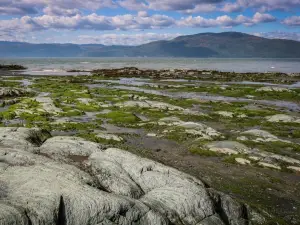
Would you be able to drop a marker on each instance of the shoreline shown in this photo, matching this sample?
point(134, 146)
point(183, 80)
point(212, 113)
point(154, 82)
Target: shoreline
point(194, 125)
point(193, 74)
point(230, 65)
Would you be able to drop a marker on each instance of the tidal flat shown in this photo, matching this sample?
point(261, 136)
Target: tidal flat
point(239, 133)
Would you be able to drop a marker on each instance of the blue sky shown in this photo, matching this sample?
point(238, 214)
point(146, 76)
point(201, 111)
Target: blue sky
point(133, 22)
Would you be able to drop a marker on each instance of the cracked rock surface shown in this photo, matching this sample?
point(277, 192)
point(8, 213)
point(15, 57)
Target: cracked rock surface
point(42, 182)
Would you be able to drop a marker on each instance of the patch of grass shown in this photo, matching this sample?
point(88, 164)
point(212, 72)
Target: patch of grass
point(26, 104)
point(204, 152)
point(71, 113)
point(9, 84)
point(66, 91)
point(7, 115)
point(120, 117)
point(178, 134)
point(88, 107)
point(241, 91)
point(14, 78)
point(72, 126)
point(231, 158)
point(277, 147)
point(30, 118)
point(286, 130)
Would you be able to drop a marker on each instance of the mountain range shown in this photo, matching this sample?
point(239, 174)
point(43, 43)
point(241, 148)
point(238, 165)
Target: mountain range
point(219, 45)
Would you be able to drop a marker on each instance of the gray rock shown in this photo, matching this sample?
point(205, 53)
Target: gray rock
point(69, 149)
point(263, 136)
point(112, 137)
point(149, 104)
point(225, 114)
point(22, 137)
point(13, 92)
point(85, 101)
point(111, 186)
point(283, 118)
point(231, 211)
point(197, 129)
point(8, 102)
point(46, 192)
point(48, 105)
point(227, 147)
point(275, 89)
point(243, 161)
point(212, 220)
point(269, 165)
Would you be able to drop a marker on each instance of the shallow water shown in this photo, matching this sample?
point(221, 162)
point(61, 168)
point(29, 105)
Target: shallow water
point(142, 82)
point(120, 130)
point(59, 66)
point(192, 95)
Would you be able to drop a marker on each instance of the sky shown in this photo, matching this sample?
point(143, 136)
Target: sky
point(134, 22)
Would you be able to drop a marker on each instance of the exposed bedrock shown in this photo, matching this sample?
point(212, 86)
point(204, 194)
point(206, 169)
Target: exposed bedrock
point(70, 181)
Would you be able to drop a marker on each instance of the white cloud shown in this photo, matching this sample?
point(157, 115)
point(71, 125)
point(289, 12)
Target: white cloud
point(263, 18)
point(232, 7)
point(292, 21)
point(57, 11)
point(89, 22)
point(135, 5)
point(201, 8)
point(26, 7)
point(225, 21)
point(140, 21)
point(71, 7)
point(261, 5)
point(124, 39)
point(280, 35)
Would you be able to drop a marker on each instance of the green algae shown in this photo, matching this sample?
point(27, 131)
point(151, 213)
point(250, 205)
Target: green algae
point(120, 117)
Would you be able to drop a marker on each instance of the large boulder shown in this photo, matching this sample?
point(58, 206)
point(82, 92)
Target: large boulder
point(42, 191)
point(178, 196)
point(68, 149)
point(110, 186)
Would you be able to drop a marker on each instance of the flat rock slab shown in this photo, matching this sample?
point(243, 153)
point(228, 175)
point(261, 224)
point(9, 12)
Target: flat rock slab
point(283, 118)
point(262, 136)
point(275, 89)
point(150, 104)
point(48, 105)
point(227, 147)
point(111, 137)
point(194, 128)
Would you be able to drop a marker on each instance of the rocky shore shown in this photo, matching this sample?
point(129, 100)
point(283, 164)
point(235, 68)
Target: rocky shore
point(196, 75)
point(132, 146)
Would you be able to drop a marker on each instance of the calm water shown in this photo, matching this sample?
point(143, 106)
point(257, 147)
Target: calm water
point(40, 66)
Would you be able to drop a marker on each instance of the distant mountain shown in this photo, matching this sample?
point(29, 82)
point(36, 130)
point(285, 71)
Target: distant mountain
point(21, 49)
point(223, 45)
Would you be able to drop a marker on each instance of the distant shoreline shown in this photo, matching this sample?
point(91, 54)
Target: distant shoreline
point(239, 65)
